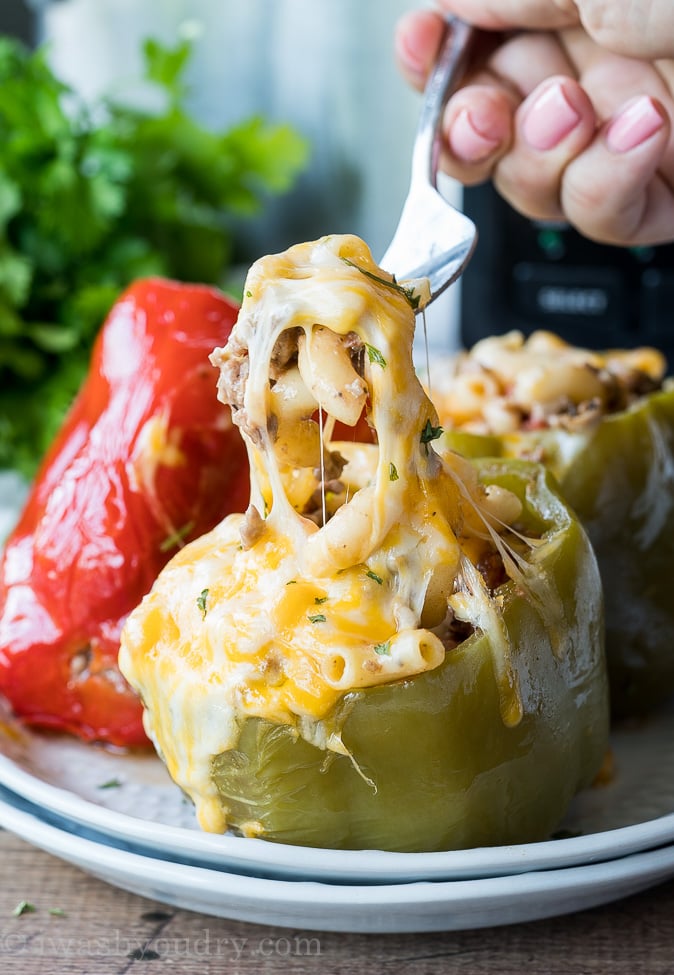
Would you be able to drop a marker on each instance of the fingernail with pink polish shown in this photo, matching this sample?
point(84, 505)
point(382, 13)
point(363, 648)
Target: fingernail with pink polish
point(636, 123)
point(467, 142)
point(549, 118)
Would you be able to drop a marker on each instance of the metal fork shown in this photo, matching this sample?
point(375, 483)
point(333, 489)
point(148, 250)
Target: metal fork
point(433, 239)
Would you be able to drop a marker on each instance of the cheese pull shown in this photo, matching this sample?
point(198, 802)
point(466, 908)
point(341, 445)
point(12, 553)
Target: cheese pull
point(419, 632)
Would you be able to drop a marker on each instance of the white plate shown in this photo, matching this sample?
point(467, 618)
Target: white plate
point(65, 777)
point(113, 834)
point(414, 907)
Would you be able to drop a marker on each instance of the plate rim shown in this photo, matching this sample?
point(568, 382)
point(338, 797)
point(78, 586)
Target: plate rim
point(354, 866)
point(375, 909)
point(349, 866)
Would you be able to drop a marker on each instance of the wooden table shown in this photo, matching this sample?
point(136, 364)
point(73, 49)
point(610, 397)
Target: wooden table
point(82, 926)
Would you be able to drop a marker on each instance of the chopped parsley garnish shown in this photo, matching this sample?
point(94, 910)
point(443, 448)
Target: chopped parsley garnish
point(407, 293)
point(291, 582)
point(373, 575)
point(249, 294)
point(24, 907)
point(176, 538)
point(110, 784)
point(318, 618)
point(201, 602)
point(392, 472)
point(374, 355)
point(383, 649)
point(430, 432)
point(57, 912)
point(320, 599)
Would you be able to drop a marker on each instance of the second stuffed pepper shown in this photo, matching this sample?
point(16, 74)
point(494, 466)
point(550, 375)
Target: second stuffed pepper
point(603, 423)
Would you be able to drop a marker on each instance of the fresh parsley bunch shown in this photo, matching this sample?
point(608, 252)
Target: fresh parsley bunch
point(92, 197)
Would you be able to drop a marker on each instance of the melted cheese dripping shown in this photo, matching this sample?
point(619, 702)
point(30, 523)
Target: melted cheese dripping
point(271, 615)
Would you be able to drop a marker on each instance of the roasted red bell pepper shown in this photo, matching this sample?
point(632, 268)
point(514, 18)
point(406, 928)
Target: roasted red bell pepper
point(146, 460)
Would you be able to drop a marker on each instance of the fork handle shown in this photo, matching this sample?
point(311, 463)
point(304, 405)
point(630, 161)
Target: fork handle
point(443, 80)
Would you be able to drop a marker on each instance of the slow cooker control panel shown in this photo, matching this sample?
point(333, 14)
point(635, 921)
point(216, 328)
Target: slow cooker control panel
point(527, 275)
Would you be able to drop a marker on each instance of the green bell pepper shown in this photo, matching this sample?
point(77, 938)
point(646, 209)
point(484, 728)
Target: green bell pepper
point(619, 478)
point(431, 764)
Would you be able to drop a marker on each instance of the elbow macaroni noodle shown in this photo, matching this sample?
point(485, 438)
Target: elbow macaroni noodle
point(508, 382)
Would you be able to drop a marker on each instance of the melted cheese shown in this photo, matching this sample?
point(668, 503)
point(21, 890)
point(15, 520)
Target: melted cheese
point(507, 381)
point(334, 579)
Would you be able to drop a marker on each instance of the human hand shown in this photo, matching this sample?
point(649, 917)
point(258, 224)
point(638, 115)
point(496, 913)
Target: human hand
point(567, 108)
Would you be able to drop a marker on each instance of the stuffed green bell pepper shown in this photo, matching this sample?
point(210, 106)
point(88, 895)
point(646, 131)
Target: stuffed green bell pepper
point(391, 648)
point(603, 423)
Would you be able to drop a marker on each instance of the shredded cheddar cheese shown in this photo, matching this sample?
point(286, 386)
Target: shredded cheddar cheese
point(352, 562)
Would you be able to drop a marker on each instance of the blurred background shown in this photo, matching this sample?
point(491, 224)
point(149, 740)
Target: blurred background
point(326, 67)
point(151, 163)
point(16, 19)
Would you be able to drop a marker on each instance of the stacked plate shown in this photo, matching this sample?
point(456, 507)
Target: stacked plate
point(120, 818)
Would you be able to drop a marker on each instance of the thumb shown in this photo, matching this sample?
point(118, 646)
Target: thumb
point(644, 29)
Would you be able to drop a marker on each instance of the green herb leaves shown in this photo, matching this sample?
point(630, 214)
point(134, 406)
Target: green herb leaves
point(93, 197)
point(166, 66)
point(24, 907)
point(201, 603)
point(176, 538)
point(430, 432)
point(408, 293)
point(374, 355)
